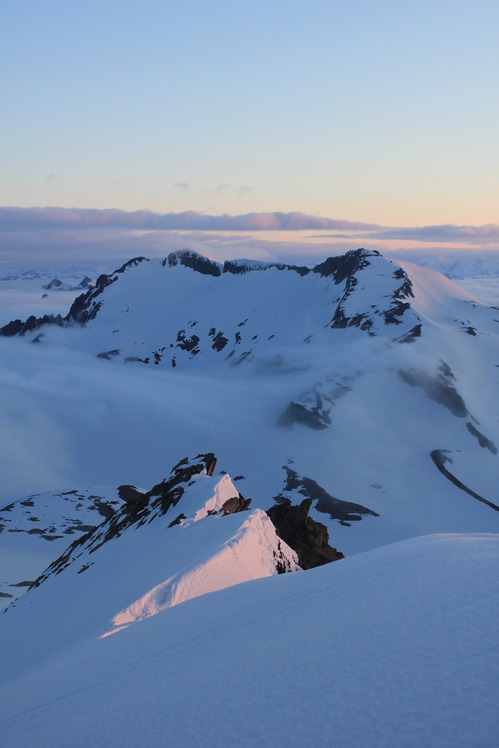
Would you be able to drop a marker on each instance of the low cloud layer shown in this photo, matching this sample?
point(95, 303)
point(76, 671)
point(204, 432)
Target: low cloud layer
point(38, 236)
point(20, 219)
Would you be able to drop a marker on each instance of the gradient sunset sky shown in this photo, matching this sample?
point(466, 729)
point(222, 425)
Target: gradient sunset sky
point(377, 112)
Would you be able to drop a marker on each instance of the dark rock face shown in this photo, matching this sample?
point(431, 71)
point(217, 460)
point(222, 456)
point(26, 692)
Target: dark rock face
point(85, 306)
point(191, 345)
point(193, 260)
point(138, 509)
point(129, 494)
point(109, 355)
point(344, 512)
point(341, 269)
point(345, 266)
point(439, 388)
point(235, 505)
point(17, 327)
point(314, 418)
point(308, 538)
point(412, 334)
point(241, 267)
point(219, 342)
point(440, 457)
point(482, 440)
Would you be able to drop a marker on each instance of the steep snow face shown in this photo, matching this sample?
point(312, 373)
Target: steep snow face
point(252, 553)
point(146, 558)
point(397, 646)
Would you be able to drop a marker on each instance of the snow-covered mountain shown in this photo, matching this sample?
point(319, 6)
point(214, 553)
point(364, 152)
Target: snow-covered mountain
point(389, 361)
point(56, 284)
point(356, 398)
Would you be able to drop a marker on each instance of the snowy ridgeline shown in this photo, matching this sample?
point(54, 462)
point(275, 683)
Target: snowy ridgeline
point(356, 399)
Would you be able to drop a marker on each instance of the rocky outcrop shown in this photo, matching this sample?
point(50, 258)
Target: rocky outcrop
point(193, 260)
point(439, 388)
point(344, 512)
point(310, 539)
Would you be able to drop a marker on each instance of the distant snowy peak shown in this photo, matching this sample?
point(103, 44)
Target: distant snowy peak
point(56, 284)
point(170, 312)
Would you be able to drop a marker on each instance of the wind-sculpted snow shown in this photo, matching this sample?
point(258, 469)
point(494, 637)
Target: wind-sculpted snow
point(394, 647)
point(253, 552)
point(191, 534)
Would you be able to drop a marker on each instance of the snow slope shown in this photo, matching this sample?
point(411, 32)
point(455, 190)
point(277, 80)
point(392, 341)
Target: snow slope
point(149, 556)
point(397, 646)
point(367, 388)
point(36, 530)
point(366, 384)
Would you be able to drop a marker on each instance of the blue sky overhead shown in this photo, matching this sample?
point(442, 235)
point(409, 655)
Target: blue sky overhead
point(377, 112)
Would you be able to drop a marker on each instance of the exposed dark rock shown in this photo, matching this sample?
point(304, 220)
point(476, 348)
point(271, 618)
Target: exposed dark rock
point(219, 342)
point(177, 520)
point(109, 355)
point(25, 583)
point(189, 259)
point(392, 315)
point(482, 440)
point(282, 564)
point(139, 508)
point(346, 265)
point(411, 336)
point(187, 344)
point(308, 538)
point(104, 509)
point(17, 327)
point(439, 388)
point(315, 418)
point(241, 267)
point(344, 512)
point(235, 504)
point(440, 457)
point(399, 307)
point(130, 494)
point(85, 306)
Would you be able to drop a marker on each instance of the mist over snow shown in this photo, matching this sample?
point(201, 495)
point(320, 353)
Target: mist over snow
point(355, 398)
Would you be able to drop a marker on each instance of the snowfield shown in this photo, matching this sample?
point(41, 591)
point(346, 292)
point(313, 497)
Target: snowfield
point(397, 646)
point(364, 391)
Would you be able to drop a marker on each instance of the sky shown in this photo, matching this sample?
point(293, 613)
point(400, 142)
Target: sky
point(379, 113)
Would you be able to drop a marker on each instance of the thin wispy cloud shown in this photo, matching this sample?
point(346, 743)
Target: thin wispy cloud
point(244, 189)
point(52, 177)
point(183, 186)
